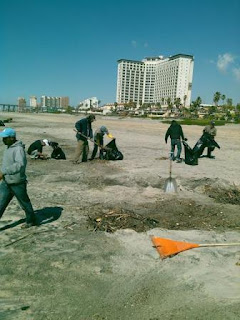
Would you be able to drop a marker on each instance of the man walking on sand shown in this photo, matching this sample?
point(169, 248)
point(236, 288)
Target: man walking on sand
point(84, 131)
point(176, 133)
point(13, 178)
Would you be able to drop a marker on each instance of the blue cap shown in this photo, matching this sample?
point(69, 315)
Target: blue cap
point(8, 132)
point(104, 129)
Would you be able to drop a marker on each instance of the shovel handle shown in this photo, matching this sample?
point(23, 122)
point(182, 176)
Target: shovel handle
point(88, 139)
point(219, 244)
point(170, 166)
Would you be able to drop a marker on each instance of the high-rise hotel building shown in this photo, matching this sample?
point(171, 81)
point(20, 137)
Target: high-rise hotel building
point(155, 79)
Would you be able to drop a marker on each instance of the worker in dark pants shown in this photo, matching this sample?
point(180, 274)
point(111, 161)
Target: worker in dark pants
point(98, 141)
point(176, 133)
point(13, 177)
point(84, 132)
point(212, 131)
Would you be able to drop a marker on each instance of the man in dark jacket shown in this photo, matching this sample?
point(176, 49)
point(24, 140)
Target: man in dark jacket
point(12, 174)
point(84, 131)
point(175, 132)
point(35, 150)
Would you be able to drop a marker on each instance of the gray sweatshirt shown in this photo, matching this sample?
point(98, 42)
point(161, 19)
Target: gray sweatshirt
point(14, 164)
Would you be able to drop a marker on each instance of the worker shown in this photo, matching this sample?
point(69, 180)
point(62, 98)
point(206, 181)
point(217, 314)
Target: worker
point(84, 132)
point(212, 132)
point(35, 150)
point(13, 178)
point(98, 141)
point(176, 133)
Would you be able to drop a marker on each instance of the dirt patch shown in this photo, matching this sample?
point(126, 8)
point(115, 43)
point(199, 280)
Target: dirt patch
point(224, 195)
point(118, 218)
point(173, 213)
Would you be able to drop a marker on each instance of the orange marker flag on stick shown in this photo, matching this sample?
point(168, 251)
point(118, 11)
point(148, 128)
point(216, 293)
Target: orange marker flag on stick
point(168, 247)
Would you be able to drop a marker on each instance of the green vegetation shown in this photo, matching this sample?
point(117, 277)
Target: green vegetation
point(197, 122)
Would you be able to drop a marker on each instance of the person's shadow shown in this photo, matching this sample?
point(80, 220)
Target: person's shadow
point(43, 216)
point(48, 214)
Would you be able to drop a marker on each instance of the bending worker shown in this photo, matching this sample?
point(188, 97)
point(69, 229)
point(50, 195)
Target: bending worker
point(84, 132)
point(212, 131)
point(35, 150)
point(98, 141)
point(176, 133)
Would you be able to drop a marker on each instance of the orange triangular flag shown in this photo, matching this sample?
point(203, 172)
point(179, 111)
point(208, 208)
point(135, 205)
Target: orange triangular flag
point(167, 247)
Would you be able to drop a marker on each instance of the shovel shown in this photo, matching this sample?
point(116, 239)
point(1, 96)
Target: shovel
point(170, 185)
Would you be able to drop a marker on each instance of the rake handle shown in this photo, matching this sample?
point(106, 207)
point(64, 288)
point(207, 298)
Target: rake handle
point(88, 139)
point(219, 244)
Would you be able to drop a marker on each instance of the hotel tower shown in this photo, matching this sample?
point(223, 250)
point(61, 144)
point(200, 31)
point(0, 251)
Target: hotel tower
point(155, 79)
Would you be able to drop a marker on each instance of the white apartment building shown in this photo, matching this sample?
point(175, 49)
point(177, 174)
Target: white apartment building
point(33, 101)
point(155, 79)
point(89, 103)
point(54, 102)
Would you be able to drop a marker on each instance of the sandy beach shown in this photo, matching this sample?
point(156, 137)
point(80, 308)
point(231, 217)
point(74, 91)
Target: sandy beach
point(70, 268)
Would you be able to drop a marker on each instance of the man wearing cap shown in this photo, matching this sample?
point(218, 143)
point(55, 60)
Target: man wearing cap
point(212, 131)
point(36, 148)
point(98, 141)
point(13, 177)
point(83, 128)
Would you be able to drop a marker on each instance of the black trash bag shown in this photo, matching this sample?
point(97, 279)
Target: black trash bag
point(191, 157)
point(2, 123)
point(112, 152)
point(206, 140)
point(57, 151)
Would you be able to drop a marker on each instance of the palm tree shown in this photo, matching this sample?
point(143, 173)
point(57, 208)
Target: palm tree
point(216, 98)
point(169, 104)
point(185, 99)
point(162, 100)
point(223, 97)
point(229, 102)
point(177, 102)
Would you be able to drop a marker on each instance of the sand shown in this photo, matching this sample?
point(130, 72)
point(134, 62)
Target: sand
point(66, 270)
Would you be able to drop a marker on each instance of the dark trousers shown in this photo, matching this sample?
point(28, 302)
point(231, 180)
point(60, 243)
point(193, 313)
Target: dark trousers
point(209, 151)
point(176, 142)
point(8, 191)
point(95, 149)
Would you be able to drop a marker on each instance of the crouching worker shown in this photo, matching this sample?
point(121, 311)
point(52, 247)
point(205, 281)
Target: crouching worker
point(13, 177)
point(98, 141)
point(36, 149)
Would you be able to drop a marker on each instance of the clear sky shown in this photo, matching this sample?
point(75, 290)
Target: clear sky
point(71, 47)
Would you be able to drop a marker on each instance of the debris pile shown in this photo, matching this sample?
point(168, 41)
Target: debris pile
point(224, 195)
point(119, 219)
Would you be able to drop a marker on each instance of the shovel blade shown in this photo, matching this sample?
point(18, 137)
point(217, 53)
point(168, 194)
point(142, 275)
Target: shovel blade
point(170, 185)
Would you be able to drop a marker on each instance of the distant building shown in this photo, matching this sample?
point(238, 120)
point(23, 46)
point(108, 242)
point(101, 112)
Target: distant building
point(21, 104)
point(55, 102)
point(155, 79)
point(33, 102)
point(89, 103)
point(64, 102)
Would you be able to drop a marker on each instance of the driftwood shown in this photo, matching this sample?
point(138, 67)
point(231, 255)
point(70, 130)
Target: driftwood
point(25, 236)
point(118, 219)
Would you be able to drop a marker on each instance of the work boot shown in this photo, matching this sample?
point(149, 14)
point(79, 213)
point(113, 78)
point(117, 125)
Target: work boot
point(27, 225)
point(179, 160)
point(209, 155)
